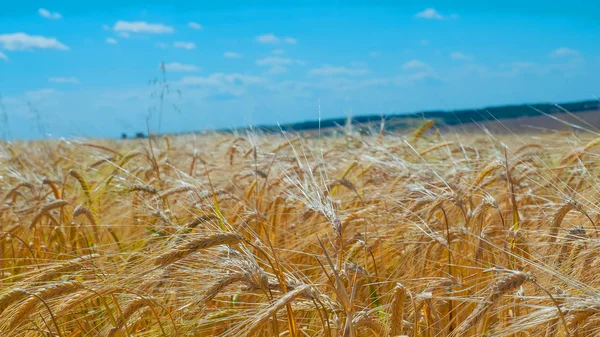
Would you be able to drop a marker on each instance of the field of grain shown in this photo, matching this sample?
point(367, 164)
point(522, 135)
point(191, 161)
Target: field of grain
point(416, 234)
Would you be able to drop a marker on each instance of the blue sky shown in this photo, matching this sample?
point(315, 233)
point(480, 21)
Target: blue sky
point(87, 69)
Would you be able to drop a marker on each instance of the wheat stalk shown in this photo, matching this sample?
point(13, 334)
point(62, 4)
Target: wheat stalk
point(26, 308)
point(511, 281)
point(264, 316)
point(188, 248)
point(47, 208)
point(397, 310)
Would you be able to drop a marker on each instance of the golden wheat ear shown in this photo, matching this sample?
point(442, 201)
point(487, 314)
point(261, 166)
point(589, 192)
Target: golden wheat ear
point(187, 248)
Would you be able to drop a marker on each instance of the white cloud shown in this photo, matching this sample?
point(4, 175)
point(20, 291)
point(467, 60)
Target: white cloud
point(359, 64)
point(460, 56)
point(274, 70)
point(564, 52)
point(195, 25)
point(267, 38)
point(124, 35)
point(519, 68)
point(39, 94)
point(416, 65)
point(271, 61)
point(232, 55)
point(278, 64)
point(22, 41)
point(221, 85)
point(142, 27)
point(423, 75)
point(432, 14)
point(329, 70)
point(338, 84)
point(106, 27)
point(429, 13)
point(276, 60)
point(278, 51)
point(180, 67)
point(49, 15)
point(64, 80)
point(271, 38)
point(424, 42)
point(184, 45)
point(221, 79)
point(289, 40)
point(110, 40)
point(3, 56)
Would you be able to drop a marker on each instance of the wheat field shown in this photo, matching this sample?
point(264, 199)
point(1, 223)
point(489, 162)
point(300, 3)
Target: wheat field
point(423, 233)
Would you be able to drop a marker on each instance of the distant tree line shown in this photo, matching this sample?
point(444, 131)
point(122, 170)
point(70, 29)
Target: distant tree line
point(137, 135)
point(453, 117)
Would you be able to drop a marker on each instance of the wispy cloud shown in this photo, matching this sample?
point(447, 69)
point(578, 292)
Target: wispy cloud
point(515, 68)
point(3, 56)
point(274, 70)
point(278, 64)
point(222, 78)
point(270, 61)
point(424, 42)
point(180, 67)
point(271, 38)
point(343, 84)
point(267, 38)
point(521, 68)
point(64, 80)
point(48, 14)
point(232, 55)
point(289, 40)
point(359, 64)
point(329, 70)
point(110, 40)
point(184, 45)
point(195, 25)
point(432, 14)
point(161, 45)
point(22, 41)
point(39, 94)
point(564, 52)
point(233, 84)
point(142, 27)
point(416, 65)
point(460, 56)
point(418, 70)
point(278, 51)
